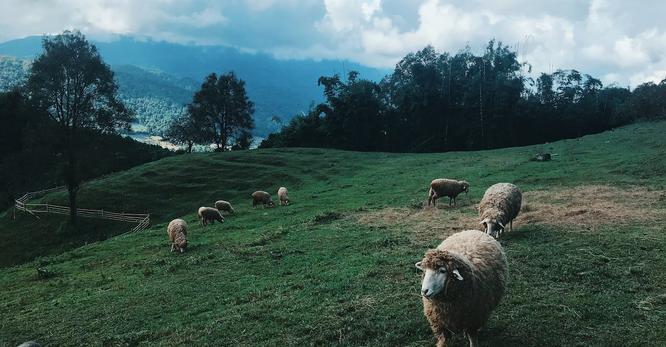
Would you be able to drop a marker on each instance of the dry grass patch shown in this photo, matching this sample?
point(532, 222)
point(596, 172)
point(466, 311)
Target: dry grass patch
point(584, 207)
point(591, 205)
point(426, 222)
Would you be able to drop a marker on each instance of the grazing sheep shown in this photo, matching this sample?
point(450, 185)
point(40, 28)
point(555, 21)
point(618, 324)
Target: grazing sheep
point(500, 206)
point(464, 280)
point(284, 198)
point(262, 197)
point(177, 231)
point(209, 214)
point(446, 187)
point(222, 205)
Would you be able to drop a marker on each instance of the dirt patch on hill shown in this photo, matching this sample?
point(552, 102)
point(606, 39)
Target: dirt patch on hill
point(584, 207)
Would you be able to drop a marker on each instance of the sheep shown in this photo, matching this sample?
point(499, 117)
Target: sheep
point(177, 231)
point(262, 197)
point(209, 214)
point(282, 195)
point(500, 206)
point(222, 205)
point(446, 187)
point(463, 281)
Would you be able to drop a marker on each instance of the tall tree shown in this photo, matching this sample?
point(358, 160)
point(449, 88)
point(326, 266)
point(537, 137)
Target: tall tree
point(72, 84)
point(223, 108)
point(184, 130)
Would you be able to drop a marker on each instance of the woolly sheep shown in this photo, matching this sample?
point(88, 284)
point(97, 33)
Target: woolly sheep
point(446, 187)
point(500, 206)
point(222, 205)
point(282, 195)
point(209, 214)
point(262, 197)
point(177, 231)
point(463, 281)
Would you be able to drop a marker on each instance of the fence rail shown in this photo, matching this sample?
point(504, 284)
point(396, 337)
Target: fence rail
point(21, 204)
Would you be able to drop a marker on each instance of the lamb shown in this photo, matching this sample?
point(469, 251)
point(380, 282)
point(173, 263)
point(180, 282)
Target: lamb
point(177, 231)
point(222, 205)
point(262, 197)
point(446, 187)
point(464, 280)
point(209, 214)
point(282, 195)
point(500, 206)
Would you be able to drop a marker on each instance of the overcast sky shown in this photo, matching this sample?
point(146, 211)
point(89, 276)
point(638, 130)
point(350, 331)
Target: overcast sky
point(616, 40)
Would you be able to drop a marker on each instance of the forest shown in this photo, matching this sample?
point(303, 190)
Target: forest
point(435, 102)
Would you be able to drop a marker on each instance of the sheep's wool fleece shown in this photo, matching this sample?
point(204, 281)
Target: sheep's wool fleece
point(447, 187)
point(467, 304)
point(504, 197)
point(223, 205)
point(175, 227)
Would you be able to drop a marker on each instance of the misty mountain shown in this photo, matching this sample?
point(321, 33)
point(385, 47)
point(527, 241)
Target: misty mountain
point(151, 72)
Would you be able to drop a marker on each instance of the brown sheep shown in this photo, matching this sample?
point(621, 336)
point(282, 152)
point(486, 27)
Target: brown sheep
point(446, 187)
point(209, 214)
point(177, 231)
point(262, 197)
point(500, 206)
point(222, 205)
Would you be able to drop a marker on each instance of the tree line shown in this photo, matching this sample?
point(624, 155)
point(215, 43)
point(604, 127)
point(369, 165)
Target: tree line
point(435, 102)
point(67, 117)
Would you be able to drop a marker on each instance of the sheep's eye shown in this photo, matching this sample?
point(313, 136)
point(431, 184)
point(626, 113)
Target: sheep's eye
point(442, 270)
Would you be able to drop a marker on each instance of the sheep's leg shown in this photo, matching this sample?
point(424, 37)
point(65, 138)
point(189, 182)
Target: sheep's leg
point(441, 340)
point(473, 339)
point(511, 225)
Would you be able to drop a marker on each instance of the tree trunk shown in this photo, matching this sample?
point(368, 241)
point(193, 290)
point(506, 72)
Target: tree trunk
point(71, 176)
point(72, 204)
point(189, 147)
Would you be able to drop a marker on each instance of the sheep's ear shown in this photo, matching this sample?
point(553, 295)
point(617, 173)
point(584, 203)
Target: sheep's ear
point(418, 266)
point(501, 224)
point(457, 275)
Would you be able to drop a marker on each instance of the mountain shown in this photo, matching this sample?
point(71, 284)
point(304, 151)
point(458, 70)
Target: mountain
point(278, 87)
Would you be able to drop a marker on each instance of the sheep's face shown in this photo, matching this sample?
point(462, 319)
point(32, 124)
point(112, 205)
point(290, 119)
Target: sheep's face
point(492, 227)
point(270, 203)
point(181, 244)
point(465, 187)
point(436, 276)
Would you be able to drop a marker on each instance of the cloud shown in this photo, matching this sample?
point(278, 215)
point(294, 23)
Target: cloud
point(615, 40)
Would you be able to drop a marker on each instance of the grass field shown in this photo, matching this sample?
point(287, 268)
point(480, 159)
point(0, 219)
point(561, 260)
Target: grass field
point(587, 256)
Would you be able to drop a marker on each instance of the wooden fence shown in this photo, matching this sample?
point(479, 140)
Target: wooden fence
point(21, 204)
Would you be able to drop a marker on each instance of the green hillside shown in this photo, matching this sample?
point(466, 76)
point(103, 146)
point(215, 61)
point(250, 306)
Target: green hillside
point(586, 256)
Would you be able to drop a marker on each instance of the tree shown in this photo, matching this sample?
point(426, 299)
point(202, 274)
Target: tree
point(72, 84)
point(223, 109)
point(184, 130)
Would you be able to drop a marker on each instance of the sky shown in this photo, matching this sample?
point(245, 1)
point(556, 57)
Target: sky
point(618, 41)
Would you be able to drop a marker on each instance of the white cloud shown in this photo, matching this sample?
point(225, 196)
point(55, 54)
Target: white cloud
point(618, 41)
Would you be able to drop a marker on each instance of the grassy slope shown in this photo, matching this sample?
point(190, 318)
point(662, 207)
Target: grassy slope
point(306, 275)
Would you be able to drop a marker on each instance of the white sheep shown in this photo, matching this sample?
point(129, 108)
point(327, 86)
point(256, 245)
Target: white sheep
point(500, 206)
point(282, 195)
point(209, 214)
point(446, 187)
point(222, 205)
point(464, 279)
point(262, 197)
point(177, 231)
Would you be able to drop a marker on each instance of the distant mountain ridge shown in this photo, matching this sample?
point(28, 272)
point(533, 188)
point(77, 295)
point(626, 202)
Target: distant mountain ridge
point(161, 72)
